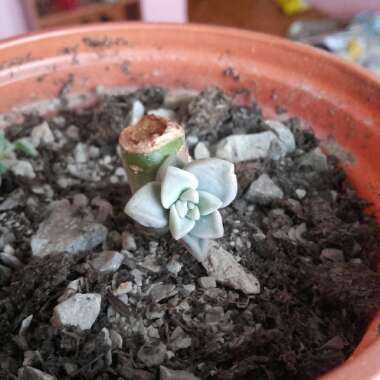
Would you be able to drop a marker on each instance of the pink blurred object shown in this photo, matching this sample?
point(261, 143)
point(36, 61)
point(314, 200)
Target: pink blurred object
point(164, 10)
point(63, 5)
point(345, 9)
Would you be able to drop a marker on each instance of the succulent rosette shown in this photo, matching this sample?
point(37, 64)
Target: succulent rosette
point(186, 199)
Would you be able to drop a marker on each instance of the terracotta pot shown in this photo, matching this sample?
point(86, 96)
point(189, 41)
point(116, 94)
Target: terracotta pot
point(341, 102)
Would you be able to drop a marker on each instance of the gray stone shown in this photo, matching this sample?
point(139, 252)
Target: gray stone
point(159, 292)
point(128, 241)
point(152, 354)
point(201, 151)
point(6, 237)
point(174, 267)
point(191, 140)
point(171, 374)
point(286, 141)
point(179, 339)
point(189, 288)
point(25, 324)
point(72, 132)
point(222, 265)
point(10, 261)
point(214, 315)
point(163, 112)
point(179, 97)
point(64, 232)
point(315, 159)
point(237, 148)
point(23, 169)
point(332, 254)
point(151, 264)
point(13, 200)
point(264, 191)
point(207, 282)
point(123, 288)
point(137, 112)
point(42, 135)
point(301, 193)
point(5, 274)
point(116, 339)
point(80, 310)
point(81, 153)
point(107, 261)
point(30, 373)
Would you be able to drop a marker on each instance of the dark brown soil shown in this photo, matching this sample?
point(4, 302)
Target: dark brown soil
point(308, 318)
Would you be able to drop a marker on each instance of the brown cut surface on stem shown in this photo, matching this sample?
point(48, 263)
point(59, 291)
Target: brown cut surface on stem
point(150, 133)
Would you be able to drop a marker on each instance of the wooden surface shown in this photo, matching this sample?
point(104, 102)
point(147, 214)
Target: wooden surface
point(258, 15)
point(122, 10)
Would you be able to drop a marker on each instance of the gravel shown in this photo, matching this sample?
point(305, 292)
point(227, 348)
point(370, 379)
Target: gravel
point(80, 310)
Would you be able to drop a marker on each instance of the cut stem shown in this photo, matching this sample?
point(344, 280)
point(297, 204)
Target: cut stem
point(145, 145)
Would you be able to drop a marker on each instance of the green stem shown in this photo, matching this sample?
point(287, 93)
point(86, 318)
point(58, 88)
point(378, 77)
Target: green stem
point(145, 145)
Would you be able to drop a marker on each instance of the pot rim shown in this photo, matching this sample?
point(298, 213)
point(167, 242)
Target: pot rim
point(34, 36)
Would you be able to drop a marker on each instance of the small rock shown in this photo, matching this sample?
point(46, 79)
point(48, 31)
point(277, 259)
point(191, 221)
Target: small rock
point(30, 373)
point(171, 374)
point(155, 312)
point(189, 288)
point(191, 140)
point(137, 112)
point(201, 151)
point(264, 191)
point(179, 97)
point(42, 135)
point(128, 241)
point(123, 288)
point(152, 332)
point(72, 132)
point(104, 209)
point(10, 260)
point(179, 339)
point(138, 276)
point(315, 159)
point(301, 193)
point(5, 274)
point(174, 267)
point(152, 355)
point(214, 315)
point(159, 292)
point(207, 282)
point(81, 153)
point(23, 169)
point(93, 151)
point(25, 324)
point(237, 148)
point(285, 137)
point(6, 237)
point(163, 112)
point(80, 201)
point(72, 288)
point(12, 201)
point(332, 254)
point(64, 232)
point(80, 310)
point(150, 263)
point(116, 339)
point(107, 261)
point(70, 368)
point(222, 265)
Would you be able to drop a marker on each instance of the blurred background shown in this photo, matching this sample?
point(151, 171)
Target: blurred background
point(347, 28)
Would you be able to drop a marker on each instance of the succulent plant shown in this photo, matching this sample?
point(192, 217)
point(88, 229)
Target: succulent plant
point(8, 151)
point(185, 198)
